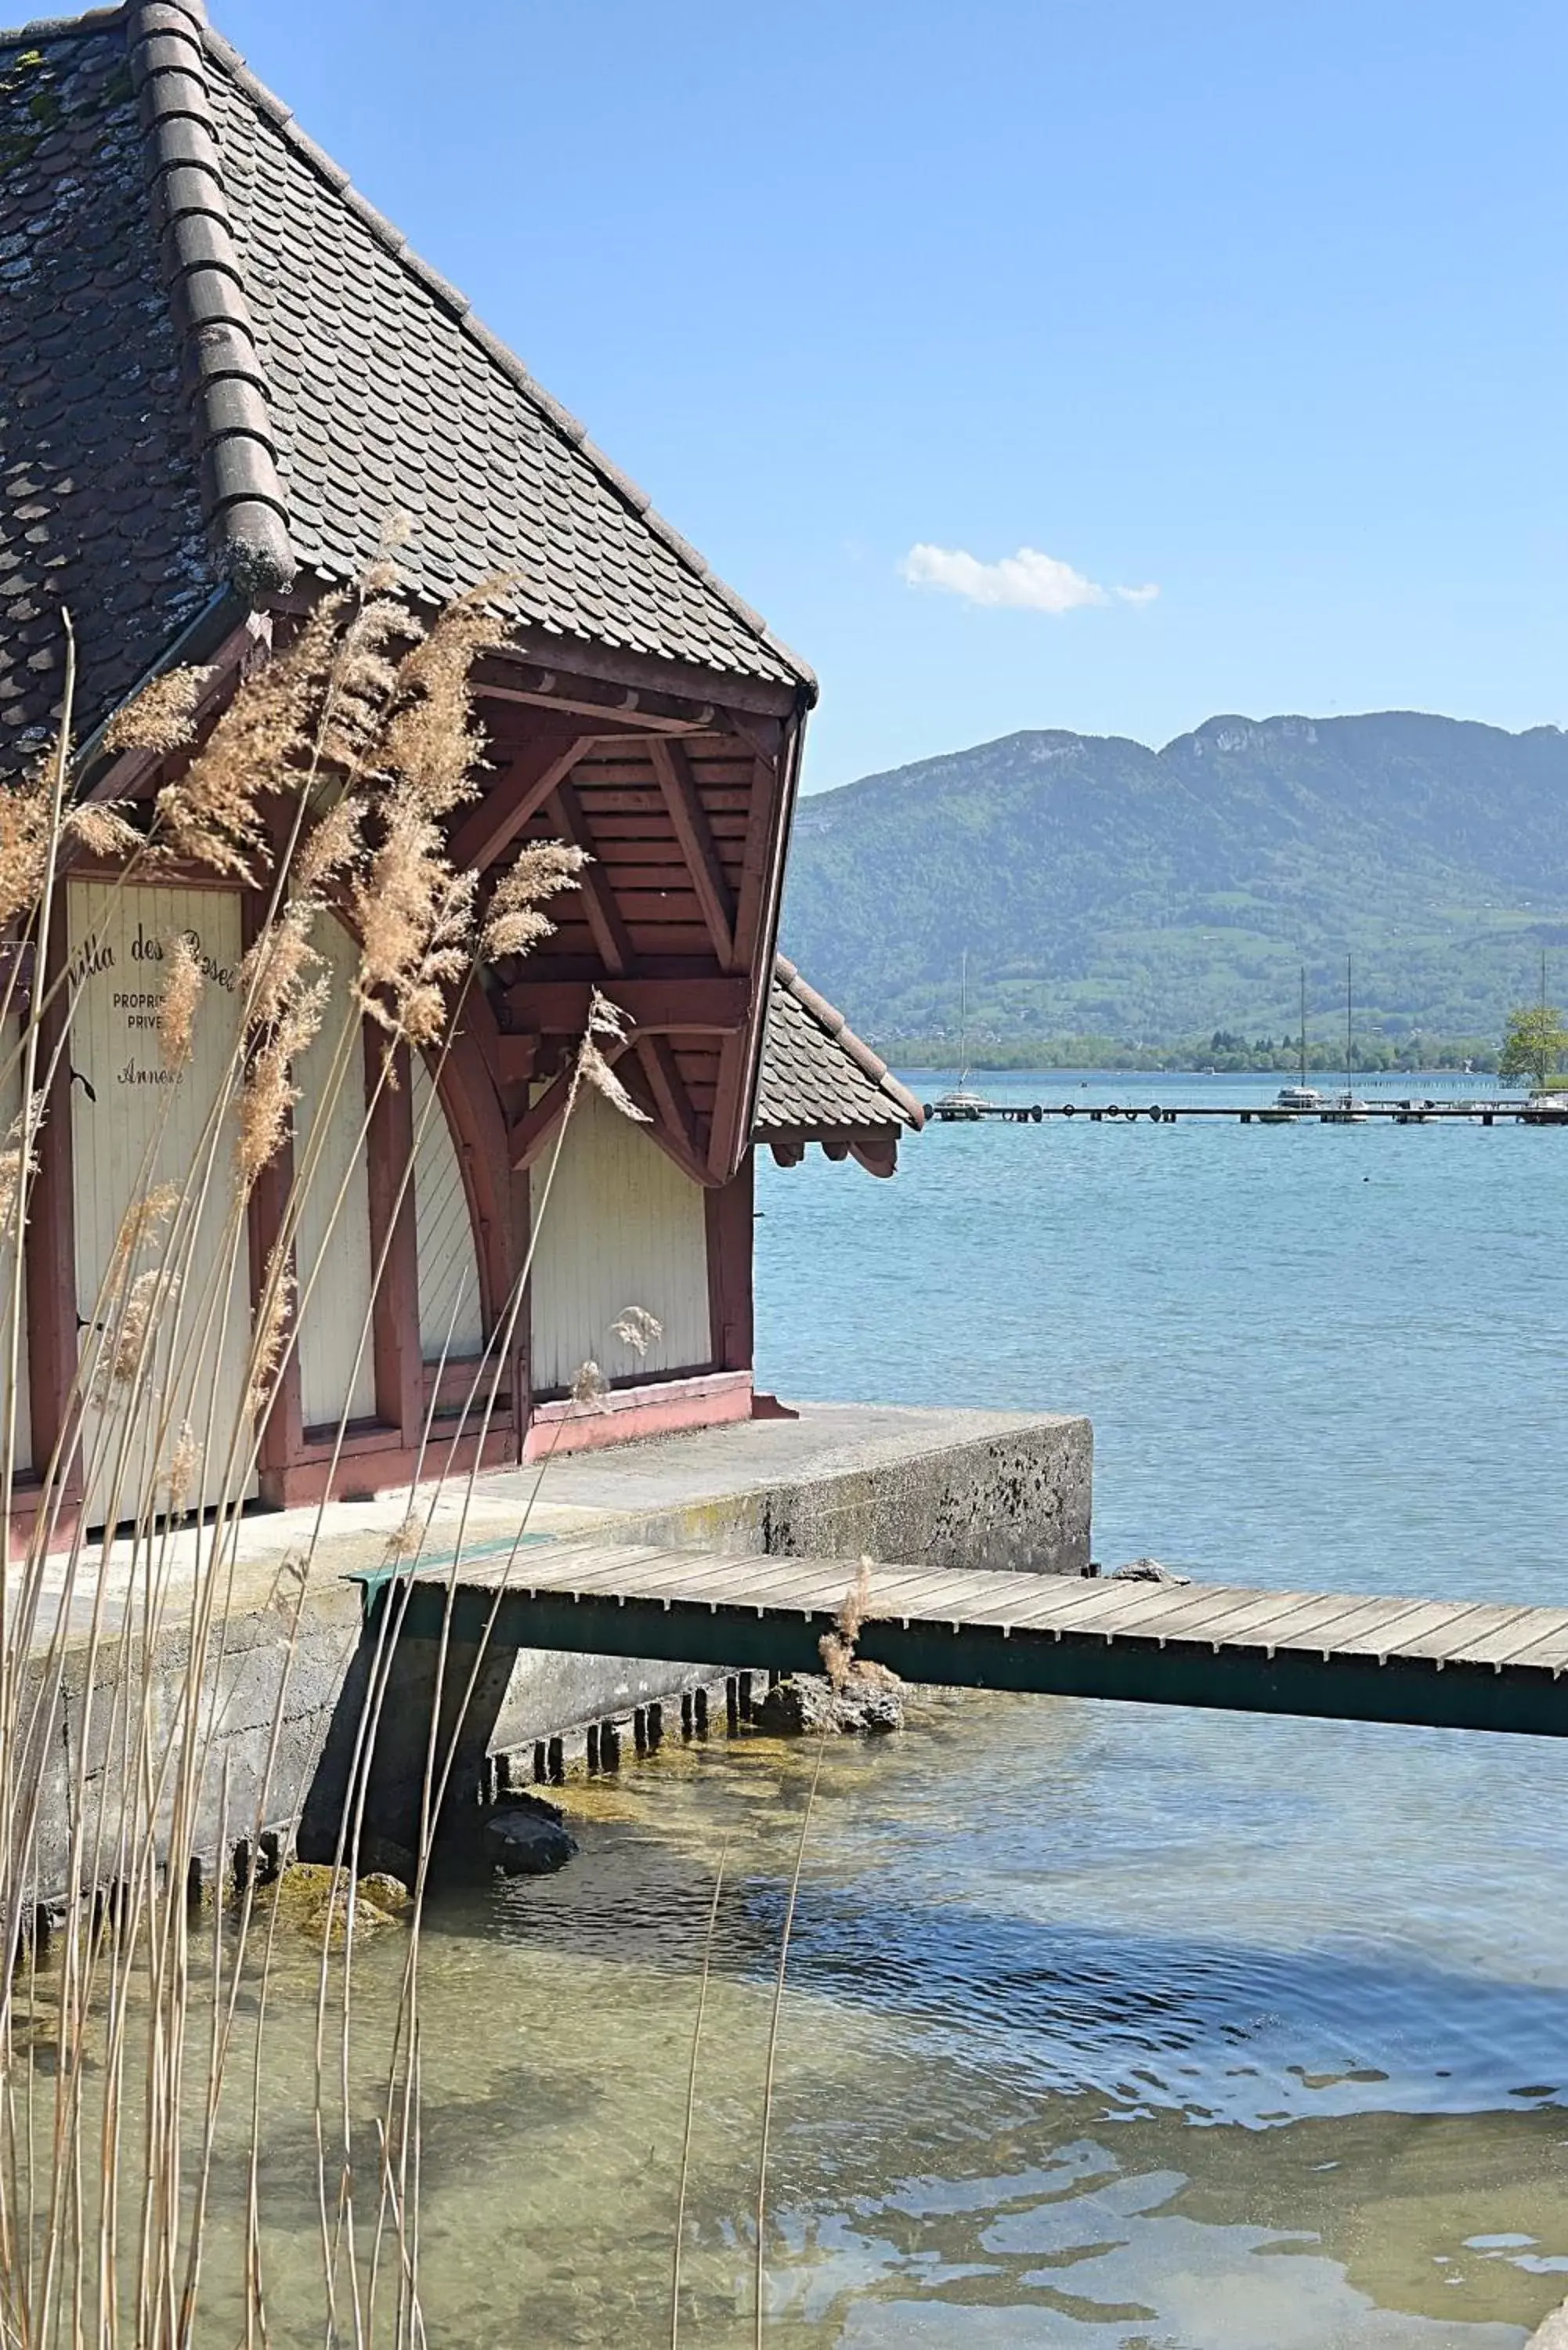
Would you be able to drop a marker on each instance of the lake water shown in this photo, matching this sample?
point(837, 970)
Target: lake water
point(1107, 2028)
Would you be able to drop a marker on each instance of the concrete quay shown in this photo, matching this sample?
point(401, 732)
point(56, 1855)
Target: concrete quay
point(948, 1488)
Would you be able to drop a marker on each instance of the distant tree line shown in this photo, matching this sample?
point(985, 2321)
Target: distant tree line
point(1223, 1051)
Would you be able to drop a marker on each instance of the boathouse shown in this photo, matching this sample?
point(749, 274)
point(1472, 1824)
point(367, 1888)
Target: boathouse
point(220, 372)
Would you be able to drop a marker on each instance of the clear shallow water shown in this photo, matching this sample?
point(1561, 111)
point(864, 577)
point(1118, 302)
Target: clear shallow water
point(1107, 2028)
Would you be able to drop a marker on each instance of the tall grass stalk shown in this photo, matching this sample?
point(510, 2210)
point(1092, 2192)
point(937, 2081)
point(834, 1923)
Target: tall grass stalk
point(689, 2126)
point(770, 2070)
point(324, 789)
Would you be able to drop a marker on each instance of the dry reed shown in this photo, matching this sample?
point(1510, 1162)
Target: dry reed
point(326, 782)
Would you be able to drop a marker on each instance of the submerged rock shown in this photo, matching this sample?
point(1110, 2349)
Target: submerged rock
point(528, 1838)
point(388, 1893)
point(304, 1898)
point(868, 1699)
point(1147, 1570)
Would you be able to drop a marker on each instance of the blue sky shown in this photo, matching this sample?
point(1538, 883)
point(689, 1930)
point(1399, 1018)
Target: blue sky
point(937, 327)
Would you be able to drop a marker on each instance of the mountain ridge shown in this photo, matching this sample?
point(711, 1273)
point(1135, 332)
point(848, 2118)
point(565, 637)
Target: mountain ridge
point(1098, 883)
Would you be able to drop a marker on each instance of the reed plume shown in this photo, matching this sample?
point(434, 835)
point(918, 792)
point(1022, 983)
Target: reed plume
point(104, 830)
point(837, 1648)
point(181, 996)
point(26, 841)
point(636, 1327)
point(327, 785)
point(161, 718)
point(212, 815)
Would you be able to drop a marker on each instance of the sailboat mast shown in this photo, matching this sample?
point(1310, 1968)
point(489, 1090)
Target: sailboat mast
point(1303, 1039)
point(1349, 1089)
point(963, 1018)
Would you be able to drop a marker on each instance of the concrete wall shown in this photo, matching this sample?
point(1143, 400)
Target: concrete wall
point(1019, 1498)
point(948, 1490)
point(250, 1682)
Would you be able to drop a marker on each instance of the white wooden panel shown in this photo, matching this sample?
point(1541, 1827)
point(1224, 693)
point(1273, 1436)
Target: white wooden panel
point(12, 1295)
point(451, 1321)
point(333, 1260)
point(624, 1227)
point(134, 1127)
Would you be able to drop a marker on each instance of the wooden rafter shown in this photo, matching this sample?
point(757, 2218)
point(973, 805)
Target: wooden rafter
point(612, 936)
point(763, 735)
point(675, 1124)
point(527, 1135)
point(754, 862)
point(549, 695)
point(484, 832)
point(722, 1152)
point(653, 676)
point(695, 834)
point(774, 786)
point(559, 1007)
point(734, 1065)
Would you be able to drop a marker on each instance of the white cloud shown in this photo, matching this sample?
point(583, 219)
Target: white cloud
point(1028, 581)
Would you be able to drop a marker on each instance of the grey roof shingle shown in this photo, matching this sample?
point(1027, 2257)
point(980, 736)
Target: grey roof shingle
point(132, 435)
point(817, 1077)
point(100, 507)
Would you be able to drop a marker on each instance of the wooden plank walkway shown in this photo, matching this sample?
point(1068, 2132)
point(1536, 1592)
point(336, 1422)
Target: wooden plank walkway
point(1450, 1663)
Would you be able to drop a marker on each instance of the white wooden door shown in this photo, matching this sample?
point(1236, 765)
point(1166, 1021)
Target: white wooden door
point(332, 1252)
point(135, 1126)
point(13, 1293)
point(450, 1318)
point(624, 1227)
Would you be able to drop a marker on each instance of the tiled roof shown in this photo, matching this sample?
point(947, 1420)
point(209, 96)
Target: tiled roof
point(271, 384)
point(100, 508)
point(387, 393)
point(817, 1077)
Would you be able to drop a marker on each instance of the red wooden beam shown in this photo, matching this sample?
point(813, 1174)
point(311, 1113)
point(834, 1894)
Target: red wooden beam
point(517, 1055)
point(735, 1065)
point(527, 1136)
point(676, 1126)
point(755, 863)
point(482, 833)
point(722, 1151)
point(728, 1210)
point(610, 934)
point(624, 708)
point(775, 787)
point(559, 1007)
point(692, 830)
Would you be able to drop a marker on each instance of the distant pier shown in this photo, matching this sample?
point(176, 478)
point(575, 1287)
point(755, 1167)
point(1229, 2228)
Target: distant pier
point(1329, 1112)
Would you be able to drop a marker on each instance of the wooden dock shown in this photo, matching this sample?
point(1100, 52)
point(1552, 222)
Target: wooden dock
point(1413, 1112)
point(1448, 1663)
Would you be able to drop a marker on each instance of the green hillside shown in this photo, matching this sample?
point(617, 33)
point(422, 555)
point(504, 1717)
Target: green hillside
point(1155, 896)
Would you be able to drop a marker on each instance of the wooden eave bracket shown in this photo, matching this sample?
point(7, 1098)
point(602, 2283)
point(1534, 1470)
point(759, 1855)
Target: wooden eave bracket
point(687, 814)
point(676, 1126)
point(484, 832)
point(611, 937)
